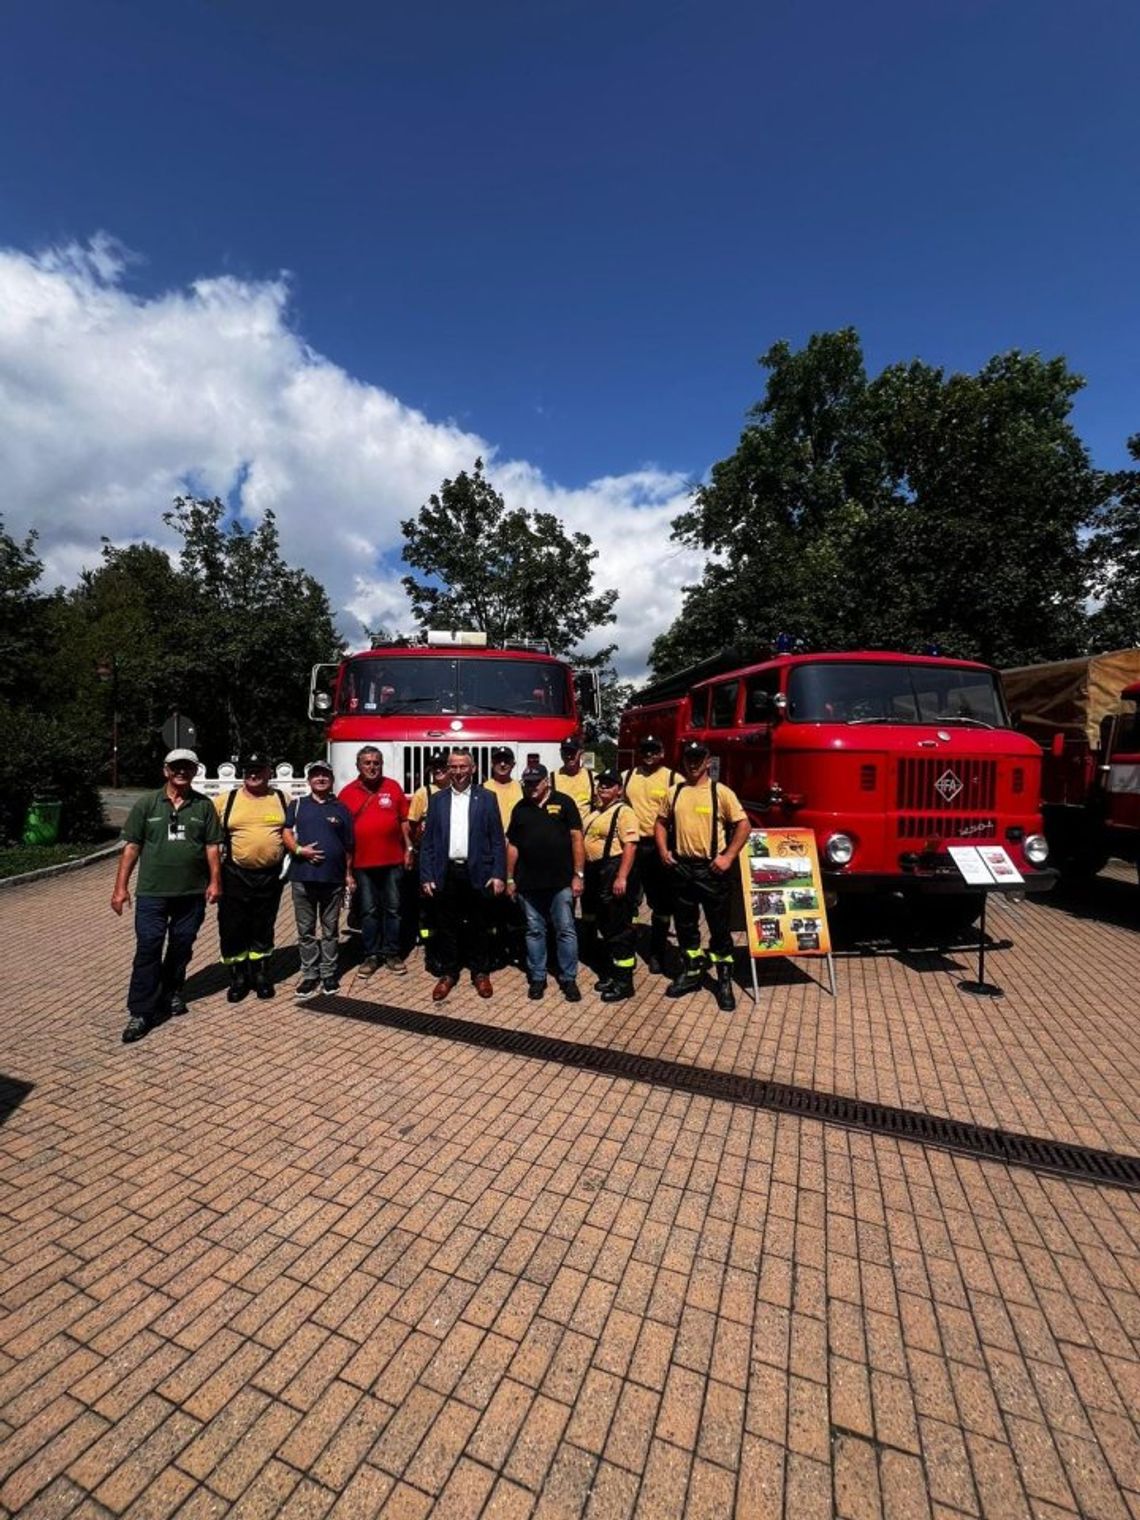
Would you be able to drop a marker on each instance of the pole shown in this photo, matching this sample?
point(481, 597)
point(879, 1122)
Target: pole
point(982, 988)
point(115, 722)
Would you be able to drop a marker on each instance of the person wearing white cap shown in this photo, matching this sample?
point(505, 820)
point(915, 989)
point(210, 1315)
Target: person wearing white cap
point(173, 835)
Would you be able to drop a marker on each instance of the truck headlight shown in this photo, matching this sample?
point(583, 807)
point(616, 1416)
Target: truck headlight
point(1036, 848)
point(839, 849)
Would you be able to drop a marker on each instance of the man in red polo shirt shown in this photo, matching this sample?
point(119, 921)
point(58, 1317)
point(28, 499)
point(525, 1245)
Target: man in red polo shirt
point(383, 849)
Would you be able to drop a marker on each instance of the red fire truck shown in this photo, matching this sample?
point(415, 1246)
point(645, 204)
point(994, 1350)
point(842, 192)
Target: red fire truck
point(887, 757)
point(451, 690)
point(1083, 713)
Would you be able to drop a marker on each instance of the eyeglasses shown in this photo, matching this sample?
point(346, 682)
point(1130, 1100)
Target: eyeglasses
point(182, 768)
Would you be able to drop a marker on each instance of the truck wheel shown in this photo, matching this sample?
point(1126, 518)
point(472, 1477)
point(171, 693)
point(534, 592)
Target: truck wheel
point(1080, 865)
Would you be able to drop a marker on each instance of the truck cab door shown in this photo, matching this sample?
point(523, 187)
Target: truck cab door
point(723, 734)
point(754, 755)
point(1120, 770)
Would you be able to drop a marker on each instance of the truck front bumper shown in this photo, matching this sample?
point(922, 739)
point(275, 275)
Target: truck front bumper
point(927, 883)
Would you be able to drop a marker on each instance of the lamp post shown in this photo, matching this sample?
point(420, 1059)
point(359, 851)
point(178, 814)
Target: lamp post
point(107, 669)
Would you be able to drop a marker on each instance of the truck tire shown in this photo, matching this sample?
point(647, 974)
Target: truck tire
point(1082, 863)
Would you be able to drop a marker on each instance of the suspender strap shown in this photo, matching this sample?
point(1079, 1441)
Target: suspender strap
point(671, 830)
point(612, 832)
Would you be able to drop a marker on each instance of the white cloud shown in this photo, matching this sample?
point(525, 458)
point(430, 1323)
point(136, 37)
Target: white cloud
point(111, 404)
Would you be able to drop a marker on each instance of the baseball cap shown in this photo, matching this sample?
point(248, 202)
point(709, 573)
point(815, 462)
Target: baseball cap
point(650, 742)
point(318, 765)
point(570, 746)
point(502, 752)
point(534, 774)
point(256, 760)
point(693, 749)
point(181, 754)
point(607, 778)
point(437, 761)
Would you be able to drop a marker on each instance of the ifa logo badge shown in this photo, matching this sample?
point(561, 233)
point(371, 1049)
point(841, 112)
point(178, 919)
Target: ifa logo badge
point(948, 786)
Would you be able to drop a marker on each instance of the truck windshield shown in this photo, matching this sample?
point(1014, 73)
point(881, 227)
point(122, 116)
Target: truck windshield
point(425, 684)
point(858, 692)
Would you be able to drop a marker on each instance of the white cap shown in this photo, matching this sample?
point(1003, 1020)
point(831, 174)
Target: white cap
point(181, 754)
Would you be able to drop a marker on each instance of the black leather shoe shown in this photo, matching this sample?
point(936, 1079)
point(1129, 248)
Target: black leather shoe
point(688, 981)
point(535, 990)
point(603, 982)
point(571, 991)
point(239, 983)
point(135, 1030)
point(725, 997)
point(618, 990)
point(178, 1005)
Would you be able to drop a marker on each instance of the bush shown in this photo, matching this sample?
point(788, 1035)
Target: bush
point(47, 757)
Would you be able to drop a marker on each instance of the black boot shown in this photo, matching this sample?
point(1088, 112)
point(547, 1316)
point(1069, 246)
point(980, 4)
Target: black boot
point(725, 997)
point(687, 980)
point(262, 983)
point(239, 982)
point(620, 988)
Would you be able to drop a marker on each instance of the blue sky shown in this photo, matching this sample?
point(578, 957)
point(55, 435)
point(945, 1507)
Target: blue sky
point(571, 229)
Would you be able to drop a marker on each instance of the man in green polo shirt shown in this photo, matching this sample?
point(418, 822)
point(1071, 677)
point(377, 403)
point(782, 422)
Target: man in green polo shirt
point(174, 836)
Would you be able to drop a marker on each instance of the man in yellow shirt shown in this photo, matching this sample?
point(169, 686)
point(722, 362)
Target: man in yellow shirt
point(253, 821)
point(417, 907)
point(647, 786)
point(572, 778)
point(700, 831)
point(506, 919)
point(610, 837)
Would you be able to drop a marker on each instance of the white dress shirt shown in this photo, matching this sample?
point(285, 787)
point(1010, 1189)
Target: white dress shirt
point(460, 813)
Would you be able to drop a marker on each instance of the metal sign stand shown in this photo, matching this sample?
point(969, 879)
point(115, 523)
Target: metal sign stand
point(830, 973)
point(982, 988)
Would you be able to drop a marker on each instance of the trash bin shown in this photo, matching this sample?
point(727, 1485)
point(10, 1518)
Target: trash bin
point(41, 825)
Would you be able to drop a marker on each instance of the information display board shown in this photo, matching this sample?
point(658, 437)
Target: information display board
point(784, 909)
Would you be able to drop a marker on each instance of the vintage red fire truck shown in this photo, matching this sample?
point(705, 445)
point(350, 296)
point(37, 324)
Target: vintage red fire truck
point(1083, 713)
point(451, 689)
point(888, 758)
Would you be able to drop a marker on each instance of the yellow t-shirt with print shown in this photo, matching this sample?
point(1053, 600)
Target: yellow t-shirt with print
point(579, 788)
point(254, 826)
point(506, 794)
point(596, 830)
point(693, 817)
point(647, 795)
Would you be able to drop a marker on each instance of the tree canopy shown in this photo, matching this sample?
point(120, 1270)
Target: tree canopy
point(512, 573)
point(1114, 552)
point(907, 510)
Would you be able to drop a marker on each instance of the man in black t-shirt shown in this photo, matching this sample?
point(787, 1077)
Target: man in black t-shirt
point(546, 866)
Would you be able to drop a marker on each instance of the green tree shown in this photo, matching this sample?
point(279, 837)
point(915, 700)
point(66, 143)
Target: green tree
point(255, 627)
point(1115, 556)
point(511, 573)
point(894, 512)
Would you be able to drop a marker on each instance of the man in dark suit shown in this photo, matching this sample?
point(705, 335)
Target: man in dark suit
point(463, 865)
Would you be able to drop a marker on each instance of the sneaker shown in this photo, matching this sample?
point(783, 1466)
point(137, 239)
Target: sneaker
point(178, 1005)
point(571, 991)
point(135, 1030)
point(368, 967)
point(394, 963)
point(330, 984)
point(535, 990)
point(307, 988)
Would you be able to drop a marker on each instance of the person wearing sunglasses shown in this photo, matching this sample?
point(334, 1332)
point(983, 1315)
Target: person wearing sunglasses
point(173, 836)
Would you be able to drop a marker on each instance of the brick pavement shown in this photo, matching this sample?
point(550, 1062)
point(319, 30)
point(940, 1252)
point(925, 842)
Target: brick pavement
point(272, 1261)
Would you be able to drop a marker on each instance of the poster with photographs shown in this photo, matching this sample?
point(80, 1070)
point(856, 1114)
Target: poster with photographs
point(784, 910)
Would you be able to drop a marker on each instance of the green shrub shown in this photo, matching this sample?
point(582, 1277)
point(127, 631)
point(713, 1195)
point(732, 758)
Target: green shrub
point(46, 757)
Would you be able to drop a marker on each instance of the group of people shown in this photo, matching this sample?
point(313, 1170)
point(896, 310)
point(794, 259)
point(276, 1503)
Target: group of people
point(497, 872)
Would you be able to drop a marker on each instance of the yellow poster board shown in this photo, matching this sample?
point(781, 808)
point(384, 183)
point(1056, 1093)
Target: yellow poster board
point(784, 910)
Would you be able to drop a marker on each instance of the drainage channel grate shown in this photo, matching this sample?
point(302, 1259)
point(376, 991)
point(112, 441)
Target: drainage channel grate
point(1073, 1161)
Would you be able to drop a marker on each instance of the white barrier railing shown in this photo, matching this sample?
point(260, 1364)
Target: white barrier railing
point(227, 779)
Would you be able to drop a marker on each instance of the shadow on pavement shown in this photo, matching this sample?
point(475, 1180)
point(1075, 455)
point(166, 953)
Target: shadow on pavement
point(12, 1094)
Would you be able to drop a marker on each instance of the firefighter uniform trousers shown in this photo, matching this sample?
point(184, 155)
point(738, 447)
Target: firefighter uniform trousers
point(695, 886)
point(613, 916)
point(247, 911)
point(656, 880)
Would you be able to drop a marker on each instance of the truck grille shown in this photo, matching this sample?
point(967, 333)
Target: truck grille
point(930, 784)
point(416, 763)
point(924, 826)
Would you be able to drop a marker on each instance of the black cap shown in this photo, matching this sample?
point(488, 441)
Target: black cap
point(650, 742)
point(502, 752)
point(693, 749)
point(256, 760)
point(437, 761)
point(607, 778)
point(534, 774)
point(570, 746)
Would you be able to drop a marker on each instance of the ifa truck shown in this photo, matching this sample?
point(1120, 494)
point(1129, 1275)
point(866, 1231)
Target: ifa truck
point(452, 690)
point(1083, 714)
point(888, 758)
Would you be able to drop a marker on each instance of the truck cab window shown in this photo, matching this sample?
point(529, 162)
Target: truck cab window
point(759, 691)
point(722, 709)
